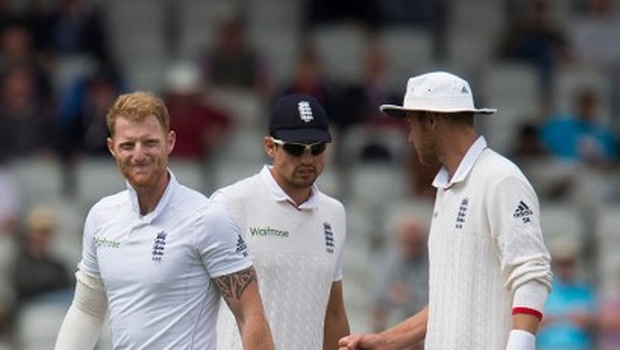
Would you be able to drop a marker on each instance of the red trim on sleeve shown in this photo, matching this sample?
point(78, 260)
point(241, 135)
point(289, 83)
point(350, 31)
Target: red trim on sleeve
point(527, 311)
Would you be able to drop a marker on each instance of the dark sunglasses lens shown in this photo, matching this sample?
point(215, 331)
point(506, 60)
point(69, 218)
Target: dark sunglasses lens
point(298, 150)
point(317, 149)
point(294, 149)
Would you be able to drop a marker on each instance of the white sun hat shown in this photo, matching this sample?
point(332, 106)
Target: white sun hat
point(436, 92)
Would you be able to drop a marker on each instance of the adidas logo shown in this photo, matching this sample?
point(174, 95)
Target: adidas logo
point(464, 90)
point(242, 247)
point(523, 212)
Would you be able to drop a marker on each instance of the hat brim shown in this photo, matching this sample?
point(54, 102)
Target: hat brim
point(306, 134)
point(400, 112)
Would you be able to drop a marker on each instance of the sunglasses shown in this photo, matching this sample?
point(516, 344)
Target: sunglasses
point(299, 149)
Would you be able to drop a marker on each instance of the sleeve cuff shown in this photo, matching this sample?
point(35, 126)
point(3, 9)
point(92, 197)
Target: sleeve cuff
point(532, 296)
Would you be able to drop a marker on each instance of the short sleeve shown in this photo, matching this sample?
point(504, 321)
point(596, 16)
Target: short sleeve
point(89, 262)
point(233, 205)
point(220, 244)
point(339, 271)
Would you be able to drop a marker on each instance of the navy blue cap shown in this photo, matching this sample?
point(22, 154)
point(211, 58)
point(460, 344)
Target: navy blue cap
point(299, 118)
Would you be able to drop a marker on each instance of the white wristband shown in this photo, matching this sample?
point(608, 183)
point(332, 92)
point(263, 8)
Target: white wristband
point(521, 340)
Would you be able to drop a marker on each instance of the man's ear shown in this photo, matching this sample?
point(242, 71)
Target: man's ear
point(110, 142)
point(270, 147)
point(172, 138)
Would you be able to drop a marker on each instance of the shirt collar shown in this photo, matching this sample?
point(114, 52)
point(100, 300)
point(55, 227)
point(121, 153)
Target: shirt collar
point(279, 195)
point(163, 201)
point(443, 180)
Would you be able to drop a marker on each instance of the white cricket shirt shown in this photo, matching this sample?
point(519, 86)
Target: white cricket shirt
point(485, 242)
point(157, 268)
point(297, 253)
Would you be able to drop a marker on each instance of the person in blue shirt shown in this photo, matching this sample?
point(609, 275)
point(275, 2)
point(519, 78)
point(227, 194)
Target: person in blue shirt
point(570, 310)
point(579, 136)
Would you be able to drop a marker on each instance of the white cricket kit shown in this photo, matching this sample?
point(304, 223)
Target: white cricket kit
point(485, 243)
point(297, 254)
point(157, 268)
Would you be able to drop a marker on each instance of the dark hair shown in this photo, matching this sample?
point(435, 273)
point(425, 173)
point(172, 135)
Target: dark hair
point(466, 118)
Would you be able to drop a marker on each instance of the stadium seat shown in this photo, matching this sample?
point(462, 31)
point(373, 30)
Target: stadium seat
point(37, 325)
point(96, 178)
point(513, 89)
point(606, 223)
point(340, 46)
point(570, 79)
point(560, 219)
point(38, 178)
point(409, 51)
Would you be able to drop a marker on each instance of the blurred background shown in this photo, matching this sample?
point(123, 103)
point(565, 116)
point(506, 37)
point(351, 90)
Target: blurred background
point(551, 67)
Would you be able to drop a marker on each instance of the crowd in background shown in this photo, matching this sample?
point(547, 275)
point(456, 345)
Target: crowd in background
point(62, 63)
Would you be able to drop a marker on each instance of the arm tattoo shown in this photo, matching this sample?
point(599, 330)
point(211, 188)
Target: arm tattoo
point(232, 286)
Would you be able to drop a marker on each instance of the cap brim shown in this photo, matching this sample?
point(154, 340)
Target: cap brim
point(306, 134)
point(400, 112)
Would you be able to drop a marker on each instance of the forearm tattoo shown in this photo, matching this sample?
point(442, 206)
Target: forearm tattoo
point(232, 286)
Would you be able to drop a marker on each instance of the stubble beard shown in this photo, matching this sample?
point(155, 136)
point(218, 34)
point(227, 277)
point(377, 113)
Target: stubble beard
point(143, 176)
point(427, 155)
point(305, 180)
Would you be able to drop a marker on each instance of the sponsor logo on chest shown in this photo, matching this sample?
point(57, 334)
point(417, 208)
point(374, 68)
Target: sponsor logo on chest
point(268, 231)
point(104, 242)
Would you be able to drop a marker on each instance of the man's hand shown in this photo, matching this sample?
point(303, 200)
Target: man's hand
point(361, 342)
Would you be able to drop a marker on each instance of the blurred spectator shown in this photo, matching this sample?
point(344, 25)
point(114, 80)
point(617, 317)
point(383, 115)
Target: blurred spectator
point(593, 33)
point(533, 38)
point(10, 205)
point(10, 197)
point(430, 16)
point(360, 102)
point(17, 48)
point(579, 136)
point(7, 13)
point(570, 313)
point(26, 122)
point(402, 280)
point(200, 127)
point(552, 178)
point(309, 78)
point(358, 117)
point(76, 28)
point(233, 62)
point(609, 322)
point(366, 13)
point(528, 144)
point(7, 294)
point(38, 275)
point(83, 113)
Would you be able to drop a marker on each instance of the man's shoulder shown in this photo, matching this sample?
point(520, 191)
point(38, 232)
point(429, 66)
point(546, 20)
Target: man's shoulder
point(495, 165)
point(329, 201)
point(112, 201)
point(113, 207)
point(240, 188)
point(189, 196)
